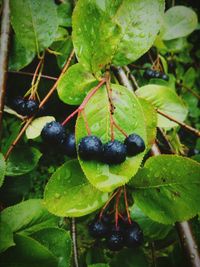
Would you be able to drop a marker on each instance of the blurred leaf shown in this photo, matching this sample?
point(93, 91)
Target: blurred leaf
point(64, 11)
point(6, 237)
point(2, 169)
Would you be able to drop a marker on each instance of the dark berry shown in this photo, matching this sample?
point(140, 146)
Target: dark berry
point(115, 241)
point(69, 145)
point(98, 229)
point(31, 107)
point(133, 235)
point(18, 105)
point(53, 133)
point(149, 73)
point(165, 77)
point(114, 152)
point(105, 218)
point(134, 144)
point(90, 148)
point(157, 74)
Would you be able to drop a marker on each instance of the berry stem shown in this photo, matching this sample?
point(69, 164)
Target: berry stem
point(126, 204)
point(86, 122)
point(117, 208)
point(32, 74)
point(107, 203)
point(120, 129)
point(84, 103)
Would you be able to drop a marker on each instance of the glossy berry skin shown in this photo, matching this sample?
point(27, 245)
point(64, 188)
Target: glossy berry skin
point(31, 107)
point(69, 145)
point(115, 241)
point(19, 105)
point(149, 73)
point(98, 229)
point(90, 148)
point(53, 133)
point(133, 235)
point(114, 152)
point(165, 77)
point(134, 144)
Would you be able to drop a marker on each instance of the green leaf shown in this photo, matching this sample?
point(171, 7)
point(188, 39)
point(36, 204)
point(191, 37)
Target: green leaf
point(99, 265)
point(27, 217)
point(129, 258)
point(129, 116)
point(75, 84)
point(2, 169)
point(167, 188)
point(189, 77)
point(20, 57)
point(179, 21)
point(64, 11)
point(58, 241)
point(119, 32)
point(152, 230)
point(165, 99)
point(150, 120)
point(34, 22)
point(36, 126)
point(6, 237)
point(22, 160)
point(68, 193)
point(28, 252)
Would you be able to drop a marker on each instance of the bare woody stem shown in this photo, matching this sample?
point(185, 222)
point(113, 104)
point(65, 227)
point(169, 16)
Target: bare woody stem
point(126, 204)
point(45, 99)
point(117, 208)
point(74, 239)
point(182, 124)
point(107, 203)
point(4, 47)
point(32, 74)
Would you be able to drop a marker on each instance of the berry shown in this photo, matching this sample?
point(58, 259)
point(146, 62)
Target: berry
point(114, 152)
point(69, 145)
point(149, 73)
point(165, 77)
point(157, 74)
point(105, 218)
point(133, 235)
point(98, 229)
point(19, 105)
point(31, 107)
point(134, 144)
point(53, 133)
point(90, 148)
point(115, 241)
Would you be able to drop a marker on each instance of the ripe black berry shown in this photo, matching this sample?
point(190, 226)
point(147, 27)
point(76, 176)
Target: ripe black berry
point(69, 145)
point(53, 133)
point(149, 73)
point(134, 144)
point(115, 241)
point(165, 77)
point(19, 105)
point(133, 235)
point(90, 148)
point(114, 152)
point(31, 107)
point(98, 229)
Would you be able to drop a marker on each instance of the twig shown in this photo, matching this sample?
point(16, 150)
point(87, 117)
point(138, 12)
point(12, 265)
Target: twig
point(74, 240)
point(32, 74)
point(131, 77)
point(182, 124)
point(40, 106)
point(153, 254)
point(4, 47)
point(122, 78)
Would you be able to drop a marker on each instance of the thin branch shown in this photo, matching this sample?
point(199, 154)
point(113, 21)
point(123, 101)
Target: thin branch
point(46, 98)
point(153, 254)
point(131, 77)
point(74, 240)
point(4, 49)
point(32, 74)
point(122, 78)
point(182, 124)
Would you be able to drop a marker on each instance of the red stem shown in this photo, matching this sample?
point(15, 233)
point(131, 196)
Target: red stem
point(117, 208)
point(126, 204)
point(86, 122)
point(120, 129)
point(70, 117)
point(107, 203)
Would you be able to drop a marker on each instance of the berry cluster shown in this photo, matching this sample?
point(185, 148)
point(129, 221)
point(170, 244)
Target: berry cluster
point(25, 107)
point(125, 234)
point(54, 133)
point(149, 73)
point(113, 152)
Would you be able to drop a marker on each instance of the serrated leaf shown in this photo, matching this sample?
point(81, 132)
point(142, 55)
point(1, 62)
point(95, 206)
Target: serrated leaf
point(68, 193)
point(75, 84)
point(22, 160)
point(2, 169)
point(19, 57)
point(28, 252)
point(119, 32)
point(58, 241)
point(167, 188)
point(129, 116)
point(34, 22)
point(150, 120)
point(165, 99)
point(179, 21)
point(36, 126)
point(152, 230)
